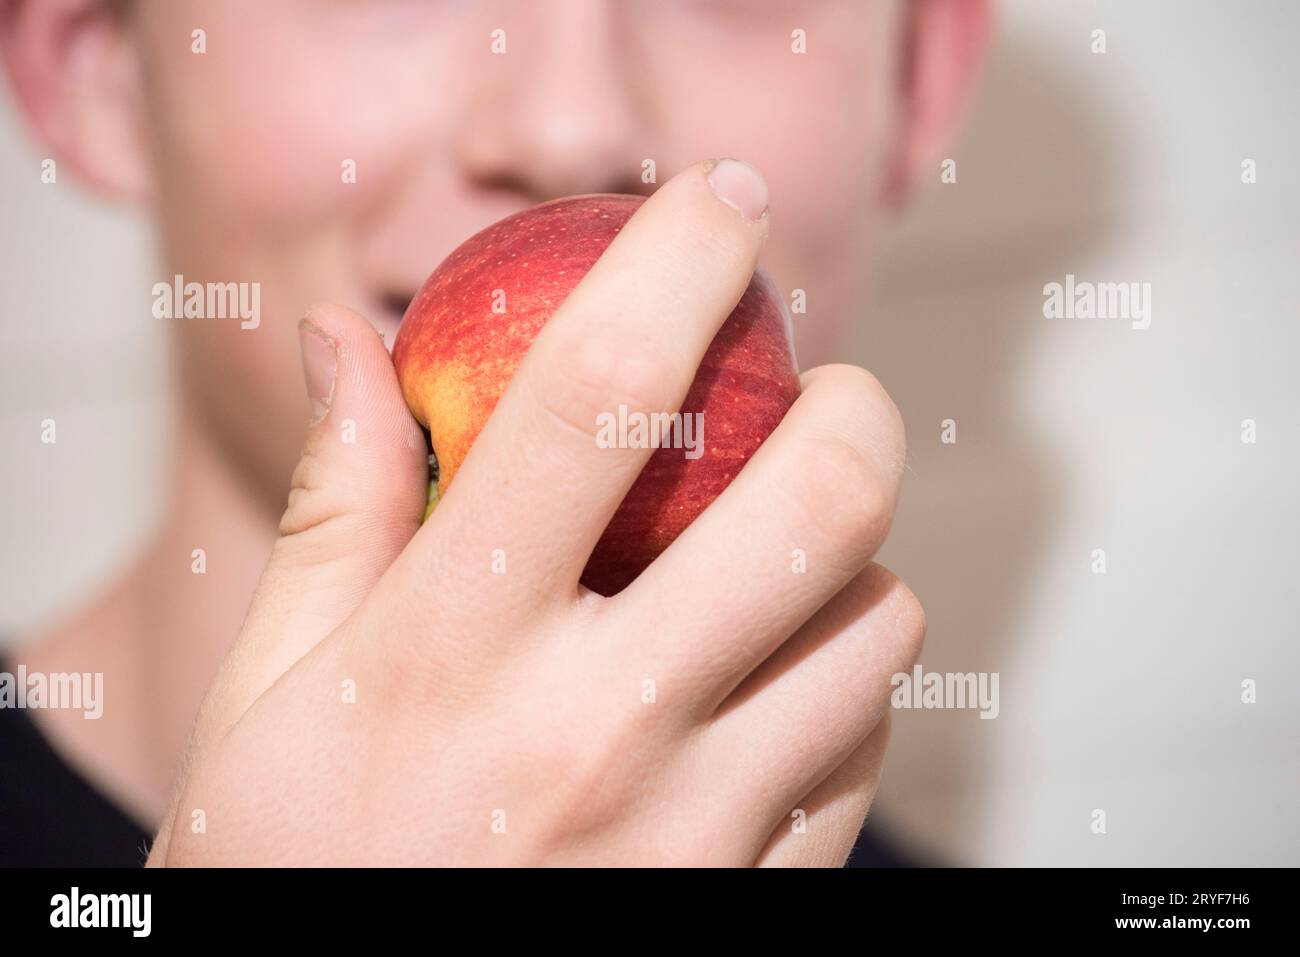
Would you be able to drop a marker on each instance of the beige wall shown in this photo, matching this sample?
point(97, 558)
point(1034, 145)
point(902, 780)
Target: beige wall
point(1119, 691)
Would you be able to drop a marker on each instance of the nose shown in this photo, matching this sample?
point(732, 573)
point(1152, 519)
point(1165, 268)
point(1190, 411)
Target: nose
point(555, 114)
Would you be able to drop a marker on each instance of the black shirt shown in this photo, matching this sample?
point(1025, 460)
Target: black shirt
point(51, 816)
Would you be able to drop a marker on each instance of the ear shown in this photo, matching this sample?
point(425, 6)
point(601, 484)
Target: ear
point(945, 44)
point(74, 70)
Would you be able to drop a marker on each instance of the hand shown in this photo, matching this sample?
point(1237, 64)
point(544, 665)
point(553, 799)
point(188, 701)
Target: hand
point(391, 699)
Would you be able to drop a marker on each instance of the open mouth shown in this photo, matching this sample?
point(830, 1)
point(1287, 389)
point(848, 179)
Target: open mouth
point(389, 309)
point(395, 304)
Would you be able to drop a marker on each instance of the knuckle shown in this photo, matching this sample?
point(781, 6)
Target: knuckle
point(379, 493)
point(843, 493)
point(595, 378)
point(909, 620)
point(881, 421)
point(312, 502)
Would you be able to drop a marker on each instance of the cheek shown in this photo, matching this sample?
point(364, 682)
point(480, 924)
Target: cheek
point(286, 124)
point(821, 127)
point(823, 166)
point(818, 126)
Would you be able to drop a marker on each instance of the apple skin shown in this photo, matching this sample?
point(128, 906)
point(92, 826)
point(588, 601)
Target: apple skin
point(454, 357)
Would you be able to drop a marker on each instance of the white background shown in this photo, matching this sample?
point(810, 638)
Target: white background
point(1118, 691)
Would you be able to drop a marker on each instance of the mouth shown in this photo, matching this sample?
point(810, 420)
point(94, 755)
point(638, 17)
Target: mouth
point(391, 308)
point(395, 303)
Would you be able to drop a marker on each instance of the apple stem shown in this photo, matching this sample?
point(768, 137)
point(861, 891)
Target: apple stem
point(433, 500)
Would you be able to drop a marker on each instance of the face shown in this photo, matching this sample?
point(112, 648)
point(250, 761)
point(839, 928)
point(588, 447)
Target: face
point(248, 143)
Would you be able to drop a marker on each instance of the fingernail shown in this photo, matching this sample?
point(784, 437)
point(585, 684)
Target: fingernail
point(739, 186)
point(319, 362)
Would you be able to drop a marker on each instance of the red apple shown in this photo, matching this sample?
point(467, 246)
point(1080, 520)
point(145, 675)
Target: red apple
point(454, 355)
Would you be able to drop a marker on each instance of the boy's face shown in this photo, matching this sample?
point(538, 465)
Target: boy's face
point(247, 145)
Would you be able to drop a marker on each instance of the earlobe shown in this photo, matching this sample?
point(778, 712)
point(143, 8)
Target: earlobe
point(74, 70)
point(945, 42)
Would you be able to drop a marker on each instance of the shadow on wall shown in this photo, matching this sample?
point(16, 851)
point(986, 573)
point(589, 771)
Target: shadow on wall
point(957, 315)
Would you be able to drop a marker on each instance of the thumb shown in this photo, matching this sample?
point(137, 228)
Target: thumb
point(357, 497)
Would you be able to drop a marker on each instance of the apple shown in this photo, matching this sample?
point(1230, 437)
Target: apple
point(467, 330)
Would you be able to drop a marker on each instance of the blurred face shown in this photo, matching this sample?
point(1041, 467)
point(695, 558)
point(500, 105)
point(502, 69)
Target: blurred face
point(248, 146)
